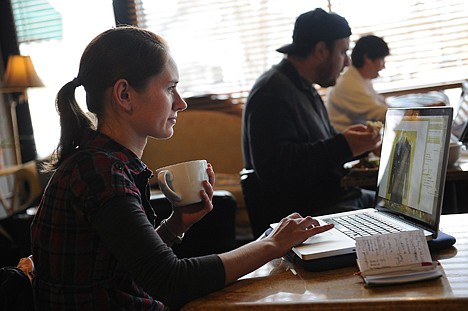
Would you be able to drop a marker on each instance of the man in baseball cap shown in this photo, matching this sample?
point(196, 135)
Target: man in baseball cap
point(314, 26)
point(293, 157)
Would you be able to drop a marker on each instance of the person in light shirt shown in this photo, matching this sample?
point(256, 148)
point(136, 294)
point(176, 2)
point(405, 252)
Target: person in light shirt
point(353, 99)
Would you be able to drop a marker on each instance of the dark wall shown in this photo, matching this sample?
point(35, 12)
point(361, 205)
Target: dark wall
point(9, 46)
point(8, 39)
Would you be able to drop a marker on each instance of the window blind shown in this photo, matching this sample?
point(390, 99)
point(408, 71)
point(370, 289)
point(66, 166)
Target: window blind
point(428, 44)
point(36, 20)
point(222, 46)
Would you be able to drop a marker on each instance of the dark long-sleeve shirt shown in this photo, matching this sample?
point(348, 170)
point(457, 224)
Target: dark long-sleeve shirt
point(94, 242)
point(289, 142)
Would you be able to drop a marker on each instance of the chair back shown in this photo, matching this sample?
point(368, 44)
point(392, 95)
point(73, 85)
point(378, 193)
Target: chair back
point(261, 203)
point(28, 185)
point(200, 134)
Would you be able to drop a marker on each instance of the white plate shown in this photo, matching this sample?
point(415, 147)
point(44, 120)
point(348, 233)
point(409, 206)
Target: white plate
point(350, 166)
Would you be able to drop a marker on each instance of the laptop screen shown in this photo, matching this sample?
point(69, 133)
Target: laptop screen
point(460, 121)
point(413, 163)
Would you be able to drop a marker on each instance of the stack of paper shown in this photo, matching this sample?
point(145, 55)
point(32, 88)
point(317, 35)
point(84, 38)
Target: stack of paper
point(395, 258)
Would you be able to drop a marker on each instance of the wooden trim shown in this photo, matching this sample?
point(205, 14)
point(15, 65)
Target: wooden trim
point(422, 89)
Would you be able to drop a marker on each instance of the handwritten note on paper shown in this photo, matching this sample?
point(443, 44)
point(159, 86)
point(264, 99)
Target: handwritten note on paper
point(392, 249)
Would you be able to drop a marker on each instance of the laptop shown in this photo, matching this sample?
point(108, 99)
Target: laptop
point(410, 183)
point(460, 121)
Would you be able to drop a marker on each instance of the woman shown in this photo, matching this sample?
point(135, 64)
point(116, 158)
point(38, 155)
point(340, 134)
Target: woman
point(94, 240)
point(353, 99)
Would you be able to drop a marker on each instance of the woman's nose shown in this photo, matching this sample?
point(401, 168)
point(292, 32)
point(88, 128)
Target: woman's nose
point(179, 103)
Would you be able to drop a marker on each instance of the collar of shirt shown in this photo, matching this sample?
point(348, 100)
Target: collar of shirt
point(291, 72)
point(286, 68)
point(94, 140)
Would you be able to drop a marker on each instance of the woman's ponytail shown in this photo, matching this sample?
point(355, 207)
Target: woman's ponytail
point(72, 122)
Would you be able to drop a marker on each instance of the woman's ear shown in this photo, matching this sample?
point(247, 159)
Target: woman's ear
point(121, 95)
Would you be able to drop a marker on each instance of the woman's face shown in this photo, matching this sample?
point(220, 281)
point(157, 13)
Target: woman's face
point(377, 65)
point(159, 103)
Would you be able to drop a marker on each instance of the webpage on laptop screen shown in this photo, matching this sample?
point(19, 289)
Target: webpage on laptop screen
point(411, 165)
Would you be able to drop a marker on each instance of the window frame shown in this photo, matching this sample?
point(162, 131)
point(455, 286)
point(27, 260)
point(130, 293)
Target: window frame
point(394, 78)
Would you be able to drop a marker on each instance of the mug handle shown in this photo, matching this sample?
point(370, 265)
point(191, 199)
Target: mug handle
point(164, 181)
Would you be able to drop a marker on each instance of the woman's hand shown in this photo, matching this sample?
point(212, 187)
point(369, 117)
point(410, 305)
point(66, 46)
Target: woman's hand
point(290, 231)
point(183, 217)
point(295, 229)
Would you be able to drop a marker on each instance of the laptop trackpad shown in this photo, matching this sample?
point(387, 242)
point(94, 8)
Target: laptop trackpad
point(326, 244)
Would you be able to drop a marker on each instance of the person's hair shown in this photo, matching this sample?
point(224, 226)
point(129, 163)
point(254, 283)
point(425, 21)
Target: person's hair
point(124, 52)
point(304, 52)
point(372, 46)
point(312, 27)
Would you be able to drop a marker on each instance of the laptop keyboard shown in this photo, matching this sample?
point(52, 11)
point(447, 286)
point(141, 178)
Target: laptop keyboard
point(363, 225)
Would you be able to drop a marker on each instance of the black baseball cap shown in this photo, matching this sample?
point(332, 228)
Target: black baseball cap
point(314, 26)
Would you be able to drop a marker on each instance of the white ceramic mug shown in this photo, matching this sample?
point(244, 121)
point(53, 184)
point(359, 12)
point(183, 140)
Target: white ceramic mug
point(181, 183)
point(454, 152)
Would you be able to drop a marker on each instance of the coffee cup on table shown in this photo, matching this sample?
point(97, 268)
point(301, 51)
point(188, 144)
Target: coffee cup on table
point(181, 183)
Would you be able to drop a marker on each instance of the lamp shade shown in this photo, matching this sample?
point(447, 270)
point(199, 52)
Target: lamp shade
point(20, 74)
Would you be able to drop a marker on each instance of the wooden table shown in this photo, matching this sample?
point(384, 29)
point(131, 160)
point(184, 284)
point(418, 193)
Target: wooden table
point(275, 287)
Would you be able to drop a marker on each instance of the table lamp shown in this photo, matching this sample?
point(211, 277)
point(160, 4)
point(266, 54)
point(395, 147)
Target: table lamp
point(19, 76)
